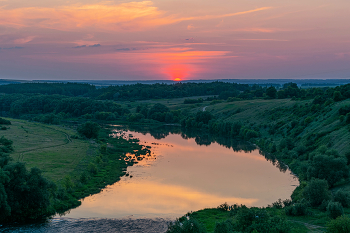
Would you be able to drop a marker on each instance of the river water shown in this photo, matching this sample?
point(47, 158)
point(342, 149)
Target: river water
point(182, 174)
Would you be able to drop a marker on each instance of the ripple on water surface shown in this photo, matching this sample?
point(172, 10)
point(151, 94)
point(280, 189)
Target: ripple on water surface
point(126, 225)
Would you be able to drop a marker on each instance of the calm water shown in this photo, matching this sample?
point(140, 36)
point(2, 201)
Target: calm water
point(182, 174)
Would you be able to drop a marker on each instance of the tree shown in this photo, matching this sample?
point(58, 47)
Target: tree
point(316, 191)
point(339, 225)
point(337, 96)
point(28, 193)
point(328, 168)
point(89, 129)
point(186, 226)
point(271, 92)
point(335, 209)
point(5, 209)
point(204, 117)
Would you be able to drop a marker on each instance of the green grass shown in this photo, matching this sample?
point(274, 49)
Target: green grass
point(47, 147)
point(209, 217)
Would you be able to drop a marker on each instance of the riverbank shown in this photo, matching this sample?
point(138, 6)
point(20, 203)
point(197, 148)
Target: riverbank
point(78, 167)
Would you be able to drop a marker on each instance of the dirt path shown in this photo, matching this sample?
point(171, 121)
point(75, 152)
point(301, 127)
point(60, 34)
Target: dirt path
point(204, 108)
point(69, 140)
point(312, 228)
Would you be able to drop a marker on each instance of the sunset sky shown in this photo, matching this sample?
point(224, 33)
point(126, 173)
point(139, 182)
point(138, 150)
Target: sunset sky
point(168, 39)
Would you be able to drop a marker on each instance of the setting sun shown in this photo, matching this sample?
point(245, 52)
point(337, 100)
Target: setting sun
point(177, 79)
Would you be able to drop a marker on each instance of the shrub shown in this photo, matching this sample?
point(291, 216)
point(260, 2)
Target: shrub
point(342, 197)
point(316, 191)
point(92, 168)
point(89, 129)
point(339, 225)
point(224, 227)
point(328, 168)
point(308, 120)
point(335, 209)
point(4, 122)
point(224, 207)
point(324, 205)
point(348, 118)
point(185, 226)
point(277, 204)
point(287, 202)
point(298, 209)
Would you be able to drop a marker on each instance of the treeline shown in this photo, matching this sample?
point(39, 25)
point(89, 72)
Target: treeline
point(68, 89)
point(223, 91)
point(52, 108)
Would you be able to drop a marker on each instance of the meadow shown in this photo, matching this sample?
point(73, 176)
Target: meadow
point(48, 147)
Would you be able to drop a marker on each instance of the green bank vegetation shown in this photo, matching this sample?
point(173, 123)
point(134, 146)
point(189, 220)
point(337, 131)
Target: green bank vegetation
point(306, 129)
point(63, 167)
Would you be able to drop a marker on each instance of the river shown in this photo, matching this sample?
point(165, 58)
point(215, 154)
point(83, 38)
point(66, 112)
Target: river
point(184, 172)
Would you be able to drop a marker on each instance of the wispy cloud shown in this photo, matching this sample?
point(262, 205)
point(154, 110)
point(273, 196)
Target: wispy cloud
point(79, 47)
point(84, 46)
point(16, 47)
point(132, 16)
point(95, 46)
point(263, 39)
point(24, 40)
point(190, 27)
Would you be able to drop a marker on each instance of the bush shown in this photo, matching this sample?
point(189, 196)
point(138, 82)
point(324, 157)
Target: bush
point(335, 209)
point(316, 191)
point(287, 202)
point(92, 168)
point(342, 197)
point(339, 225)
point(328, 168)
point(324, 205)
point(224, 227)
point(4, 122)
point(185, 226)
point(224, 207)
point(89, 129)
point(298, 209)
point(277, 204)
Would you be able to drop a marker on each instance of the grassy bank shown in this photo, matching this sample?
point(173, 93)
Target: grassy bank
point(48, 147)
point(78, 166)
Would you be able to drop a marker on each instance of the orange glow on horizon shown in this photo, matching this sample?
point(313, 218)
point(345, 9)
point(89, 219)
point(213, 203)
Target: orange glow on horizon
point(177, 79)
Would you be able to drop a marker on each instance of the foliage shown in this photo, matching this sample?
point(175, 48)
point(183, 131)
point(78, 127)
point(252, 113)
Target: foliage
point(328, 168)
point(186, 226)
point(89, 129)
point(271, 92)
point(343, 198)
point(70, 89)
point(193, 101)
point(5, 145)
point(253, 219)
point(339, 225)
point(316, 191)
point(297, 209)
point(224, 227)
point(28, 194)
point(334, 209)
point(4, 121)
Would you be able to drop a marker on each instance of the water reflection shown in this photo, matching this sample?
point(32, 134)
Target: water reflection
point(201, 138)
point(206, 139)
point(180, 176)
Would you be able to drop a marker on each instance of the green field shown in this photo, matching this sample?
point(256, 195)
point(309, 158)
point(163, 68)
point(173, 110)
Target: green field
point(48, 147)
